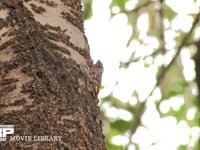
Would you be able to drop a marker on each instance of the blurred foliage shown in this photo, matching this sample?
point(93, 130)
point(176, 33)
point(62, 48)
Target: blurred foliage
point(118, 3)
point(170, 77)
point(87, 9)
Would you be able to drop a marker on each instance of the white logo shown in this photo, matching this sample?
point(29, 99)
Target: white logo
point(5, 130)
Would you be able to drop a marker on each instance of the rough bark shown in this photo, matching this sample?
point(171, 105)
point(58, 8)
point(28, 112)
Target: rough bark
point(43, 74)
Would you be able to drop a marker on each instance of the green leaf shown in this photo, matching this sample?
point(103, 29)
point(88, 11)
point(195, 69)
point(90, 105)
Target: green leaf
point(178, 88)
point(171, 83)
point(113, 132)
point(121, 125)
point(196, 145)
point(121, 3)
point(169, 13)
point(182, 147)
point(118, 3)
point(113, 147)
point(180, 37)
point(180, 114)
point(87, 11)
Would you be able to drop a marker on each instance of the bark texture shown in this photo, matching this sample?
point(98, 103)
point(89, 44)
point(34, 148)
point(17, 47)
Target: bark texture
point(44, 68)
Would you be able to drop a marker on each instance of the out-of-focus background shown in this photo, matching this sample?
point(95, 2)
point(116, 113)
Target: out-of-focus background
point(150, 49)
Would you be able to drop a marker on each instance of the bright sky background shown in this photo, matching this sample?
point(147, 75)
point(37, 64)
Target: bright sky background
point(107, 40)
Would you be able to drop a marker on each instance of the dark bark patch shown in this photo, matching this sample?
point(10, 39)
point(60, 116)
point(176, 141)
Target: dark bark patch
point(75, 21)
point(37, 9)
point(6, 44)
point(48, 3)
point(74, 4)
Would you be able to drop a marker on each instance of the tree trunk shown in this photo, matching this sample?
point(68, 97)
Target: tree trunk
point(44, 71)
